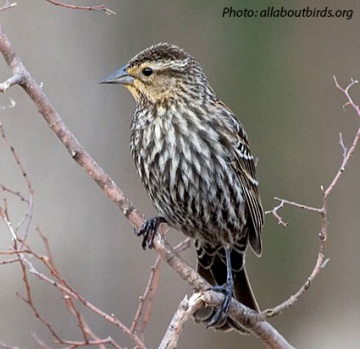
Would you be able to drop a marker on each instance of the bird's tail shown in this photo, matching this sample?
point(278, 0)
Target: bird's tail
point(211, 265)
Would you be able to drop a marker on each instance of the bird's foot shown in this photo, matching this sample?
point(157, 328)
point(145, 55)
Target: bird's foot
point(219, 318)
point(148, 230)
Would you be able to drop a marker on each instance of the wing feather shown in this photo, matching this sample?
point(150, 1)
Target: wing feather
point(244, 166)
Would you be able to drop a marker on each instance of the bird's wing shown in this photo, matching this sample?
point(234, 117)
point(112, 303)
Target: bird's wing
point(244, 166)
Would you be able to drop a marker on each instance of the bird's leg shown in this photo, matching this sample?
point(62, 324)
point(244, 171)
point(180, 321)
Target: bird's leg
point(219, 318)
point(148, 230)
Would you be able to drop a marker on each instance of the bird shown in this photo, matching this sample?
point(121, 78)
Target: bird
point(193, 157)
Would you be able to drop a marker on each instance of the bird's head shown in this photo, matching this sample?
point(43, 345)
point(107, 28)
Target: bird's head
point(160, 73)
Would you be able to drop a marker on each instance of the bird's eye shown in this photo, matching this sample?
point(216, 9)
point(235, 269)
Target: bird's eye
point(147, 71)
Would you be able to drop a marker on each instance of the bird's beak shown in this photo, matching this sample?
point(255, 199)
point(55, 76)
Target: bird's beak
point(121, 76)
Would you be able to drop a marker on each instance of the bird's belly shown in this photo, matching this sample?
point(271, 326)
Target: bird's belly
point(204, 203)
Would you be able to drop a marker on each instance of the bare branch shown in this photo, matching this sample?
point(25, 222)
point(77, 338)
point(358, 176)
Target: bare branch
point(351, 150)
point(7, 6)
point(30, 200)
point(89, 8)
point(345, 150)
point(28, 299)
point(187, 307)
point(183, 245)
point(150, 289)
point(153, 285)
point(99, 342)
point(4, 346)
point(261, 329)
point(15, 193)
point(320, 262)
point(274, 212)
point(10, 261)
point(68, 301)
point(13, 80)
point(40, 342)
point(295, 204)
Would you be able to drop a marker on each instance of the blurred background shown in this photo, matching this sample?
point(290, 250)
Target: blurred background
point(274, 73)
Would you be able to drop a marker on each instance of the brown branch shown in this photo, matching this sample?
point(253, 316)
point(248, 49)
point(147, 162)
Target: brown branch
point(48, 261)
point(98, 342)
point(14, 252)
point(262, 330)
point(150, 288)
point(75, 149)
point(68, 301)
point(65, 290)
point(321, 262)
point(274, 212)
point(89, 8)
point(40, 342)
point(3, 188)
point(13, 80)
point(85, 329)
point(295, 204)
point(10, 261)
point(30, 200)
point(70, 293)
point(28, 299)
point(4, 346)
point(7, 6)
point(237, 311)
point(346, 155)
point(187, 307)
point(153, 285)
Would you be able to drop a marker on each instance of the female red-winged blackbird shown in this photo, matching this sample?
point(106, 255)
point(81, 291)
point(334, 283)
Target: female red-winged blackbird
point(193, 158)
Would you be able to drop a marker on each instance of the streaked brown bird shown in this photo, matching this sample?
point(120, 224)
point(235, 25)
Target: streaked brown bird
point(193, 157)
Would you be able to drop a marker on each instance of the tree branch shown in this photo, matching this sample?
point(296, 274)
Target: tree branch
point(321, 262)
point(88, 8)
point(262, 330)
point(7, 6)
point(187, 307)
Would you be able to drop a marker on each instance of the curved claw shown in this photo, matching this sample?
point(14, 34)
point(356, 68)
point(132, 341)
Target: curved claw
point(220, 317)
point(148, 230)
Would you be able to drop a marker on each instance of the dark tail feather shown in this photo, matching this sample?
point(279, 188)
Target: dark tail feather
point(212, 267)
point(243, 291)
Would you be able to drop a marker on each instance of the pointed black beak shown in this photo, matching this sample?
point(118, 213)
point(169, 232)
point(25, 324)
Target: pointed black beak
point(121, 76)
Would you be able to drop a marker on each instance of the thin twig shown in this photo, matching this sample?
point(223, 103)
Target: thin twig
point(5, 346)
point(151, 291)
point(7, 6)
point(10, 261)
point(40, 342)
point(14, 252)
point(186, 308)
point(99, 342)
point(89, 8)
point(262, 330)
point(183, 245)
point(13, 80)
point(150, 285)
point(350, 151)
point(303, 207)
point(71, 293)
point(320, 261)
point(30, 200)
point(28, 299)
point(68, 301)
point(274, 212)
point(13, 192)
